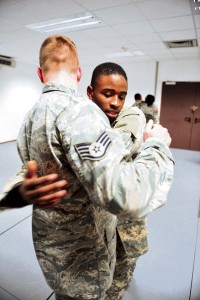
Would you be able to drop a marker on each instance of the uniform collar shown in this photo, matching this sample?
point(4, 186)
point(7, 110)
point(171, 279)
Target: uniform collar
point(53, 86)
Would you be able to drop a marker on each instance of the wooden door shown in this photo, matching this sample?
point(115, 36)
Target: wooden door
point(180, 113)
point(195, 133)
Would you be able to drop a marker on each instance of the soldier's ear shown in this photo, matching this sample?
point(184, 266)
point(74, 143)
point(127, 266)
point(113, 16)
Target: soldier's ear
point(39, 72)
point(90, 92)
point(79, 74)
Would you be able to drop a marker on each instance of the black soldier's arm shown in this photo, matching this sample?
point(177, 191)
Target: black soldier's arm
point(13, 199)
point(130, 125)
point(26, 188)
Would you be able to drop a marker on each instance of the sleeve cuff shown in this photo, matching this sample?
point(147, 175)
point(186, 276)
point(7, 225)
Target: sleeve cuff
point(158, 144)
point(13, 199)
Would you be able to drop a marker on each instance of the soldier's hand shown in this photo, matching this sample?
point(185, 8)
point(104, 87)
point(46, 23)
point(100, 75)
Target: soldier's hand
point(157, 131)
point(44, 191)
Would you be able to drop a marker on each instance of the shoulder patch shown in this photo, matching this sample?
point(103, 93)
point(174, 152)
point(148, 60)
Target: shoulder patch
point(96, 150)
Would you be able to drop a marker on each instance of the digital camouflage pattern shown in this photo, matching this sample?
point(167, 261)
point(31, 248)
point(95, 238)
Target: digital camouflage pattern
point(124, 269)
point(131, 235)
point(130, 124)
point(75, 242)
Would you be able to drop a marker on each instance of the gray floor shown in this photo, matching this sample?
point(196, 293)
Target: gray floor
point(169, 271)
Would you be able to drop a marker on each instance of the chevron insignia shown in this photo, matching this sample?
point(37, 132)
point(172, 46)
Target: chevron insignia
point(96, 150)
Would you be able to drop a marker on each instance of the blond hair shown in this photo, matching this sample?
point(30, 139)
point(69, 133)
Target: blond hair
point(58, 52)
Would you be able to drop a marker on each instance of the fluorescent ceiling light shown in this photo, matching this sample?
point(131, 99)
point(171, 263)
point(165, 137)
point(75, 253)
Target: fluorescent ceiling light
point(71, 27)
point(71, 23)
point(125, 54)
point(63, 22)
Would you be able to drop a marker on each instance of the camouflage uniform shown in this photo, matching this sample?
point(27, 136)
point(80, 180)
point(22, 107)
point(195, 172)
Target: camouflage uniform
point(131, 235)
point(137, 104)
point(75, 242)
point(151, 112)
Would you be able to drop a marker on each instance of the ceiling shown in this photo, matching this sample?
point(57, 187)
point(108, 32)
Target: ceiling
point(127, 26)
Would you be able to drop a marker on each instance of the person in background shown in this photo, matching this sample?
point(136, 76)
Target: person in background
point(70, 136)
point(150, 109)
point(138, 100)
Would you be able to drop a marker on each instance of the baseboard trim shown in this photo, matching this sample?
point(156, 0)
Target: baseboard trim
point(8, 141)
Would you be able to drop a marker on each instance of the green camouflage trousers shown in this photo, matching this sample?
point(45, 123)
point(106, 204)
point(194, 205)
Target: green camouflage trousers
point(124, 269)
point(65, 297)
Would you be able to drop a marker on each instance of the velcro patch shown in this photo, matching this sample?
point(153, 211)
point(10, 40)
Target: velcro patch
point(96, 150)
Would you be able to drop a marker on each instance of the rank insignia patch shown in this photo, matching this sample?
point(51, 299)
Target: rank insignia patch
point(96, 150)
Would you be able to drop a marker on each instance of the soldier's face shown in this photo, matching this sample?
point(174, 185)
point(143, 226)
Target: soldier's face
point(109, 94)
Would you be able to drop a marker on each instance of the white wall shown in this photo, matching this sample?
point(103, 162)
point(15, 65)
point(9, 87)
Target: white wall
point(176, 71)
point(20, 87)
point(141, 79)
